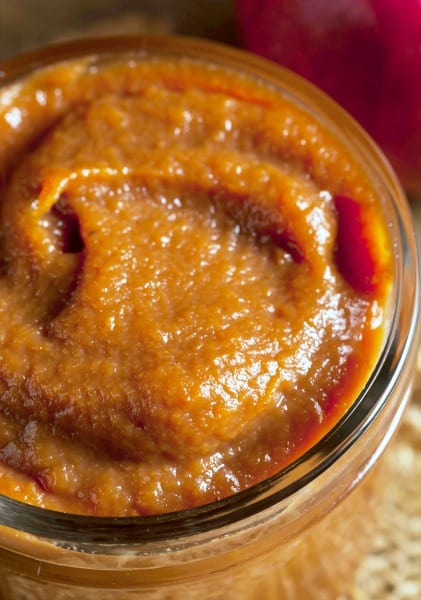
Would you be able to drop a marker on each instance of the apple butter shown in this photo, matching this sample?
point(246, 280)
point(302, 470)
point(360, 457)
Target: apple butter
point(194, 277)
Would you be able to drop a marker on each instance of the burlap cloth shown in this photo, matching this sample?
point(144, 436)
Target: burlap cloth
point(392, 571)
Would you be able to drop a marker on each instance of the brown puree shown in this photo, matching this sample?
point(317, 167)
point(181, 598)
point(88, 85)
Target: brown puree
point(193, 284)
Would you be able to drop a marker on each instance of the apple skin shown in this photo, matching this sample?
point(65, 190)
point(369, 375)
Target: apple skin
point(364, 53)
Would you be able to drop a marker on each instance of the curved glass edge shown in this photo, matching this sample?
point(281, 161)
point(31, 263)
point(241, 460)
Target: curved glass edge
point(398, 350)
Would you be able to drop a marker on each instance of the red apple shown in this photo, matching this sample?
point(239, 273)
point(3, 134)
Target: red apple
point(364, 53)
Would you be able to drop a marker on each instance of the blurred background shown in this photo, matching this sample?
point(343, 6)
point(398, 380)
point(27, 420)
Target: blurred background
point(28, 23)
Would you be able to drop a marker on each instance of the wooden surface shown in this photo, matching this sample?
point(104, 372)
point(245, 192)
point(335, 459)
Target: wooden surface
point(393, 569)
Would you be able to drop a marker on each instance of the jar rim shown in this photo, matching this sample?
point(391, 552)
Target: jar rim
point(398, 344)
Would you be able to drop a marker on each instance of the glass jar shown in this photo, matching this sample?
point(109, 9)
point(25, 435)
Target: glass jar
point(299, 534)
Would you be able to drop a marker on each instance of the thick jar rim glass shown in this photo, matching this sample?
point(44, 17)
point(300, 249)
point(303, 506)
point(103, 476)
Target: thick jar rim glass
point(397, 348)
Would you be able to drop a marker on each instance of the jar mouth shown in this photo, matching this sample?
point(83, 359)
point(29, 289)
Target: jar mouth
point(397, 347)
